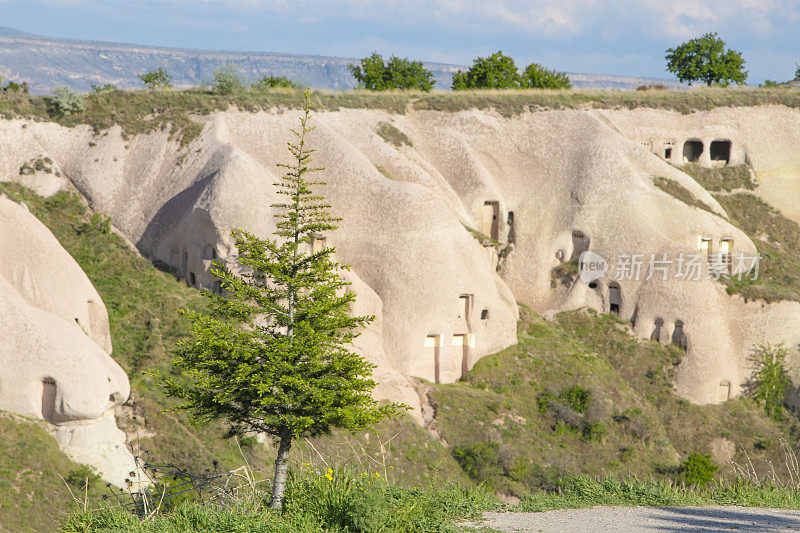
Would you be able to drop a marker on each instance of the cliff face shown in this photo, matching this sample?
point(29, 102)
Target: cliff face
point(450, 219)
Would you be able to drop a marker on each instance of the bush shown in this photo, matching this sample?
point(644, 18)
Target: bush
point(66, 101)
point(479, 460)
point(497, 71)
point(271, 82)
point(797, 71)
point(227, 80)
point(538, 77)
point(770, 379)
point(156, 79)
point(696, 470)
point(14, 87)
point(103, 88)
point(82, 477)
point(397, 74)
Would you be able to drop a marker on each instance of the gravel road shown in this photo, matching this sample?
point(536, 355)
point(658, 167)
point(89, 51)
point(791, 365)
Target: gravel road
point(646, 520)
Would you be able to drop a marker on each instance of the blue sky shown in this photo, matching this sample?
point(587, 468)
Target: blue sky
point(624, 37)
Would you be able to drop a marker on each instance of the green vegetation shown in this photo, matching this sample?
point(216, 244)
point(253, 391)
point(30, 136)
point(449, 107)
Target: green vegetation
point(678, 191)
point(777, 240)
point(317, 500)
point(274, 355)
point(499, 71)
point(697, 469)
point(39, 164)
point(397, 74)
point(706, 59)
point(156, 79)
point(13, 87)
point(144, 111)
point(536, 76)
point(632, 491)
point(36, 478)
point(770, 379)
point(66, 101)
point(797, 71)
point(227, 80)
point(272, 82)
point(392, 135)
point(580, 396)
point(727, 178)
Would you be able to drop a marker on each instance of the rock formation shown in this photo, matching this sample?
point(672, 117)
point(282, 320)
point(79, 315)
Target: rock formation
point(448, 230)
point(55, 345)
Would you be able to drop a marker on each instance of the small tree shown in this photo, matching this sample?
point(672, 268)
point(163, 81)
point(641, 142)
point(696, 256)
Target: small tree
point(706, 59)
point(398, 73)
point(697, 469)
point(497, 71)
point(66, 101)
point(156, 79)
point(797, 71)
point(273, 357)
point(271, 82)
point(227, 80)
point(770, 379)
point(538, 77)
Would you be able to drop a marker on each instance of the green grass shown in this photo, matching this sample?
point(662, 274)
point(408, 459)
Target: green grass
point(329, 500)
point(676, 190)
point(778, 242)
point(392, 135)
point(589, 492)
point(725, 178)
point(144, 111)
point(33, 496)
point(143, 304)
point(525, 433)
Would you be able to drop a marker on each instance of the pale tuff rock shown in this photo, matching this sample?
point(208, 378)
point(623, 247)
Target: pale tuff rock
point(55, 344)
point(541, 187)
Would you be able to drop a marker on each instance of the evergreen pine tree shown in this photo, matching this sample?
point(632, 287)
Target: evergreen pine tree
point(273, 356)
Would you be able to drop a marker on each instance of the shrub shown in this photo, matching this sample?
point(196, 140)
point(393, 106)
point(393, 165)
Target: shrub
point(497, 71)
point(770, 83)
point(479, 460)
point(797, 71)
point(398, 73)
point(14, 87)
point(156, 79)
point(66, 101)
point(652, 87)
point(103, 88)
point(770, 380)
point(697, 469)
point(82, 477)
point(538, 77)
point(227, 80)
point(271, 82)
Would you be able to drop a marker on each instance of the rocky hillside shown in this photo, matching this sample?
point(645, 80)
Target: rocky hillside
point(461, 215)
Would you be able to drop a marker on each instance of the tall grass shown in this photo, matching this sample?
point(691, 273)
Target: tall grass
point(316, 500)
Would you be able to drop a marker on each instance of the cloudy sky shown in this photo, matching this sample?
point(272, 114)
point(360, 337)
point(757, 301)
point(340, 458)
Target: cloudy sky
point(624, 37)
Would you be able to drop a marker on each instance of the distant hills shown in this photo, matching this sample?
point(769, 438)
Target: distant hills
point(45, 62)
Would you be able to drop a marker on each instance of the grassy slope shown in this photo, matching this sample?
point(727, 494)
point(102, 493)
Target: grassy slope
point(143, 305)
point(634, 423)
point(33, 495)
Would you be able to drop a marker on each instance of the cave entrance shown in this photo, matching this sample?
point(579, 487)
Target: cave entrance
point(614, 298)
point(692, 150)
point(720, 152)
point(656, 335)
point(724, 390)
point(463, 341)
point(678, 336)
point(48, 399)
point(580, 244)
point(433, 347)
point(490, 219)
